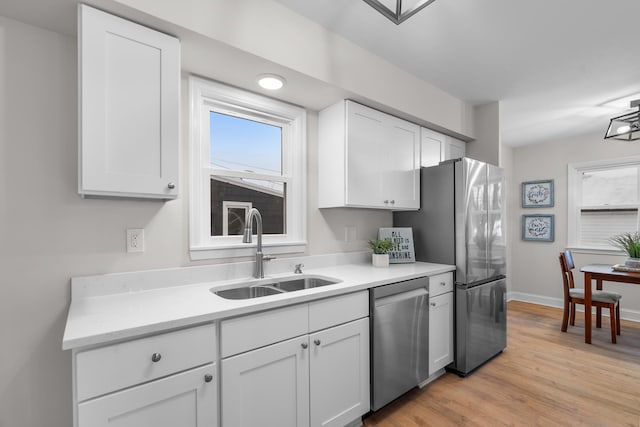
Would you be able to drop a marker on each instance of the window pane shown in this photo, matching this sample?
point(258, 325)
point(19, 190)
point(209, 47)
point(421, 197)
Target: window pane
point(231, 199)
point(596, 227)
point(610, 187)
point(245, 145)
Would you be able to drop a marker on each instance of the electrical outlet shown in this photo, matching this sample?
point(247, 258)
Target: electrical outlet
point(350, 234)
point(135, 240)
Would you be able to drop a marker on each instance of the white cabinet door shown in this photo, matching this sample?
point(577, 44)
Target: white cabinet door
point(440, 331)
point(129, 79)
point(185, 400)
point(401, 176)
point(437, 147)
point(367, 159)
point(339, 372)
point(433, 145)
point(366, 167)
point(268, 386)
point(454, 149)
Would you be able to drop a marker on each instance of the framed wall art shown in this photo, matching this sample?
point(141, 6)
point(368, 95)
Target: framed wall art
point(538, 228)
point(537, 194)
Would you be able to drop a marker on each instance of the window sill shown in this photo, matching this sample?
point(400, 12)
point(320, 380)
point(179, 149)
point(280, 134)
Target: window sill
point(198, 253)
point(594, 250)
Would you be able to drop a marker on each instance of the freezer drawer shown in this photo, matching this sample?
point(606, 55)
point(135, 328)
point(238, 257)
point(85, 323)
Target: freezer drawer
point(481, 324)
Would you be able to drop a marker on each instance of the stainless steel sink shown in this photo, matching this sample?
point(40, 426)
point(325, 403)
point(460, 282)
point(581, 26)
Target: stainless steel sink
point(296, 284)
point(263, 288)
point(246, 292)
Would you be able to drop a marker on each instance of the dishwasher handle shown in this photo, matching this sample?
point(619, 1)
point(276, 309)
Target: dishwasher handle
point(402, 296)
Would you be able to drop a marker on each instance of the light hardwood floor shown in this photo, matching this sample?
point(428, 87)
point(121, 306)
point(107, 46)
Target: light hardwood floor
point(544, 378)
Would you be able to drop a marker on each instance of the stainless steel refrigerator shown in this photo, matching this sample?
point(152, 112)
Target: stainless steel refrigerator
point(461, 221)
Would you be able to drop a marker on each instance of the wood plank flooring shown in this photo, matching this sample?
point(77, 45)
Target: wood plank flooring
point(544, 378)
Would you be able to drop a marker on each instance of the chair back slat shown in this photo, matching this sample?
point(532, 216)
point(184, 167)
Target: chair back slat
point(566, 265)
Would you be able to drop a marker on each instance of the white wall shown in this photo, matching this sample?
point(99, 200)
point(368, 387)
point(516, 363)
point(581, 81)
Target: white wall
point(267, 29)
point(486, 147)
point(535, 270)
point(49, 234)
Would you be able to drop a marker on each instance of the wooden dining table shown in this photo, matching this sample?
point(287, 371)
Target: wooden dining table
point(600, 273)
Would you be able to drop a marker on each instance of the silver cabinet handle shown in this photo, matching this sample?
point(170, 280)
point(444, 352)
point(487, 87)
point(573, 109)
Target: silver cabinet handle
point(155, 357)
point(386, 202)
point(393, 202)
point(433, 304)
point(171, 186)
point(443, 284)
point(208, 378)
point(316, 342)
point(304, 345)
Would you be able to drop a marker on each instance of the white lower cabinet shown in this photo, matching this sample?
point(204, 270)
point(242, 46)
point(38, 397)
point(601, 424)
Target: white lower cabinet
point(163, 380)
point(339, 374)
point(315, 379)
point(268, 386)
point(440, 331)
point(188, 399)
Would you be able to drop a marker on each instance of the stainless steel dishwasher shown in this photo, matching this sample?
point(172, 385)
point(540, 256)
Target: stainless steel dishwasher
point(399, 339)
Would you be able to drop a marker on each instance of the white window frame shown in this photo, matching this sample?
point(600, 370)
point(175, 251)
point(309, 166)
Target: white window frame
point(574, 203)
point(226, 205)
point(207, 96)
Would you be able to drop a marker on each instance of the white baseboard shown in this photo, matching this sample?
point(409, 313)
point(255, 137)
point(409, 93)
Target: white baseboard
point(626, 314)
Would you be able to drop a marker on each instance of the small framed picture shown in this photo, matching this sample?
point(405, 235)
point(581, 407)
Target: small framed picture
point(537, 194)
point(403, 238)
point(538, 228)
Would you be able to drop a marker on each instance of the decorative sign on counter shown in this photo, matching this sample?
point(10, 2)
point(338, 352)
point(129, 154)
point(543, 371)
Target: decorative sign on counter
point(403, 238)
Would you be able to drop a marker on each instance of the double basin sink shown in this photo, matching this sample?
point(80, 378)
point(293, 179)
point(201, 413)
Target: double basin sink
point(265, 287)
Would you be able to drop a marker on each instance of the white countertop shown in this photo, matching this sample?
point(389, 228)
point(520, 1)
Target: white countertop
point(101, 318)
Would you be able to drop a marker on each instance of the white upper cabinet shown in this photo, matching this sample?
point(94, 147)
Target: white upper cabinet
point(367, 159)
point(129, 83)
point(437, 147)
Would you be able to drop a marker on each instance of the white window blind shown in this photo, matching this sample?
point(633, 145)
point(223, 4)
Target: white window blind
point(597, 226)
point(604, 201)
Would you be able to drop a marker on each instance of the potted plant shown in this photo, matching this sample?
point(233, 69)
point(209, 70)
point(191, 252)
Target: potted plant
point(630, 243)
point(381, 248)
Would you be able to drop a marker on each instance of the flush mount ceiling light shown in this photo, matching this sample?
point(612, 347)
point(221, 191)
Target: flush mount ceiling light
point(270, 81)
point(627, 126)
point(398, 11)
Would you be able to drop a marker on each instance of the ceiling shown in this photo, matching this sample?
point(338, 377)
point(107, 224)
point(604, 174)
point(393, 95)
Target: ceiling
point(550, 63)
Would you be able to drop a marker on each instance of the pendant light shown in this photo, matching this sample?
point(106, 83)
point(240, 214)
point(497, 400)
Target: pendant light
point(627, 126)
point(398, 11)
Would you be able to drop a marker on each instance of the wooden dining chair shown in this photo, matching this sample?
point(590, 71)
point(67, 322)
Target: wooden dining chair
point(599, 299)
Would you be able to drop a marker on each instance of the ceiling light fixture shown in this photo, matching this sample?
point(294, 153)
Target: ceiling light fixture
point(397, 10)
point(627, 126)
point(270, 81)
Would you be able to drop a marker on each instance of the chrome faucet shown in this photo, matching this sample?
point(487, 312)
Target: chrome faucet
point(258, 271)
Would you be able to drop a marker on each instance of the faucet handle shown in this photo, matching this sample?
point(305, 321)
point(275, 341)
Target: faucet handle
point(298, 269)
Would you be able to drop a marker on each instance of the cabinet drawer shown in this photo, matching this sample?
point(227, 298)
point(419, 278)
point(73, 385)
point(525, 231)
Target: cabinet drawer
point(257, 330)
point(114, 367)
point(337, 310)
point(440, 284)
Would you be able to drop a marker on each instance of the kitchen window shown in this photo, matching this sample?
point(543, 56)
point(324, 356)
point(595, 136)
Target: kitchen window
point(247, 151)
point(604, 200)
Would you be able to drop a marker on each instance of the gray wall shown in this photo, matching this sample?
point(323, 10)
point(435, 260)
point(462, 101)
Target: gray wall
point(535, 268)
point(49, 234)
point(487, 144)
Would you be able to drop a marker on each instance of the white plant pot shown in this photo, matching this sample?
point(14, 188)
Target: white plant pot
point(380, 260)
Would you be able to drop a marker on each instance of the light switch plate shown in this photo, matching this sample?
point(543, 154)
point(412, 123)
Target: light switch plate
point(135, 240)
